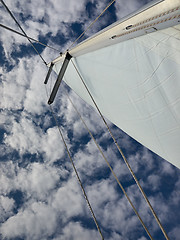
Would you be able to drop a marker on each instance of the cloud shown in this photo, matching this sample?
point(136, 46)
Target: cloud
point(7, 176)
point(13, 87)
point(174, 199)
point(32, 223)
point(52, 145)
point(75, 231)
point(174, 234)
point(37, 180)
point(24, 136)
point(124, 8)
point(6, 207)
point(89, 161)
point(68, 200)
point(33, 158)
point(22, 87)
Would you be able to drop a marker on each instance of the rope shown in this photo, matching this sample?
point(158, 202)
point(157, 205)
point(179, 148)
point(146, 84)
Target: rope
point(22, 31)
point(75, 170)
point(117, 180)
point(123, 156)
point(91, 24)
point(12, 30)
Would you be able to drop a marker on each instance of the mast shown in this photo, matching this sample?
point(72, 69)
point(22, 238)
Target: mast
point(158, 13)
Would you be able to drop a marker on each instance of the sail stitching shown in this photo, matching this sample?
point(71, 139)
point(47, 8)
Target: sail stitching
point(75, 170)
point(123, 156)
point(109, 166)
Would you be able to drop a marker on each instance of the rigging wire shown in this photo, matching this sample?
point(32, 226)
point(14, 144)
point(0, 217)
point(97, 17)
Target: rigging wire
point(117, 180)
point(123, 156)
point(84, 193)
point(29, 39)
point(60, 132)
point(91, 24)
point(12, 30)
point(23, 31)
point(75, 170)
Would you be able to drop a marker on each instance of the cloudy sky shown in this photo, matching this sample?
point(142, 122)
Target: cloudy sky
point(39, 194)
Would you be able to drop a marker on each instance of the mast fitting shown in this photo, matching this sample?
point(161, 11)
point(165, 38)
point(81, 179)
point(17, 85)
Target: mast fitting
point(59, 78)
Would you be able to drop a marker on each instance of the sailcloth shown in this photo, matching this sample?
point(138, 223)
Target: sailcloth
point(132, 70)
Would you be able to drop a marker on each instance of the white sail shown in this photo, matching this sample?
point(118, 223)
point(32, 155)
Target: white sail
point(132, 70)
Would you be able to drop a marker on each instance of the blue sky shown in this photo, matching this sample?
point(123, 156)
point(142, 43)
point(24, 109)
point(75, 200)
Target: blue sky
point(39, 195)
